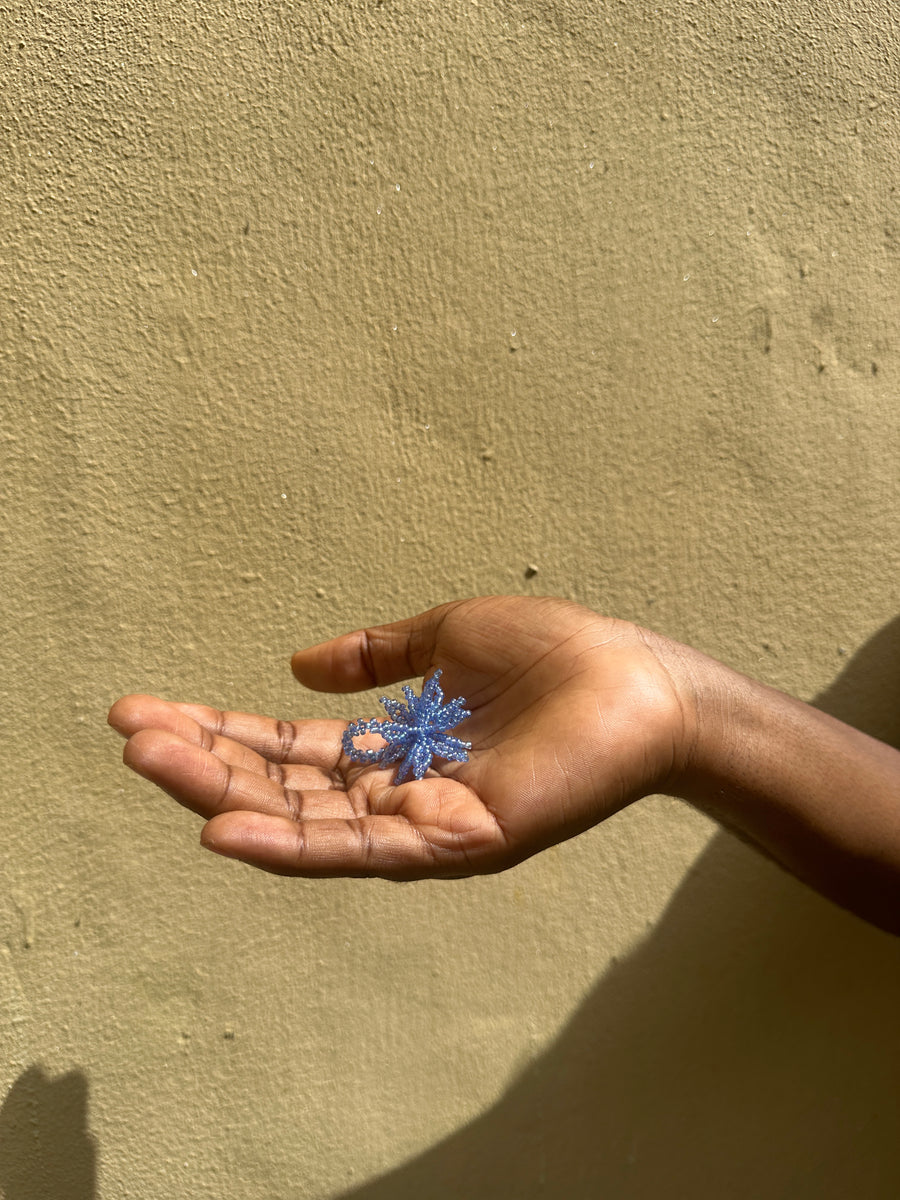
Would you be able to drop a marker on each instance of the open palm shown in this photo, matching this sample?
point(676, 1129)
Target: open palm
point(573, 717)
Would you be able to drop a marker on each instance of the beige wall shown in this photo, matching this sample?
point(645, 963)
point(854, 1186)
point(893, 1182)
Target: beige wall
point(319, 314)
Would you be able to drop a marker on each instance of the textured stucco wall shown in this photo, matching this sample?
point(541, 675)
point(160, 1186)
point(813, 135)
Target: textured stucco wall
point(315, 315)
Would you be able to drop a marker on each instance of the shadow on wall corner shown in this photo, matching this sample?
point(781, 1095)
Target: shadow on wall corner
point(46, 1151)
point(866, 694)
point(747, 1048)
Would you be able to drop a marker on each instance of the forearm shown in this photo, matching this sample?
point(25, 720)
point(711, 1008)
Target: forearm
point(817, 796)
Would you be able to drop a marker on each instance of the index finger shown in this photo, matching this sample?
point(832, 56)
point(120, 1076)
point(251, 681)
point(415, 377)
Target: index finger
point(316, 743)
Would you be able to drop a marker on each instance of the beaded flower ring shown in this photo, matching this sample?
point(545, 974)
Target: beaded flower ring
point(417, 732)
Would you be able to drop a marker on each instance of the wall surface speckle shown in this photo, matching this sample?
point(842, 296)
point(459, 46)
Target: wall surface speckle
point(316, 315)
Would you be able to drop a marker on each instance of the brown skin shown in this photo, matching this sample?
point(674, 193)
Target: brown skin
point(574, 716)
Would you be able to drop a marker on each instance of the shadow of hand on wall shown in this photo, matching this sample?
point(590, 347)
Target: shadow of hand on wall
point(46, 1151)
point(748, 1048)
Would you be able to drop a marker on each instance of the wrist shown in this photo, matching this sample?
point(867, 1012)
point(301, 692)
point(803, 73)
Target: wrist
point(710, 697)
point(812, 793)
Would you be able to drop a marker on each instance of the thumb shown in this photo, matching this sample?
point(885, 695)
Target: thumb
point(372, 657)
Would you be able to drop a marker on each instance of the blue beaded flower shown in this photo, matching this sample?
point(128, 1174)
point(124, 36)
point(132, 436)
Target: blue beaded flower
point(416, 732)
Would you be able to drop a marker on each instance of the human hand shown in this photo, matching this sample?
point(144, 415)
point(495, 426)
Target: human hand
point(574, 716)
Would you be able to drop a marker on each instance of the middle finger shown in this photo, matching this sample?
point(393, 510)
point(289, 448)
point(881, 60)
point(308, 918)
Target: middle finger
point(208, 784)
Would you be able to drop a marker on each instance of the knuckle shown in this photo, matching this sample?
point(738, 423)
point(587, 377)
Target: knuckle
point(294, 801)
point(285, 737)
point(275, 771)
point(367, 653)
point(227, 782)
